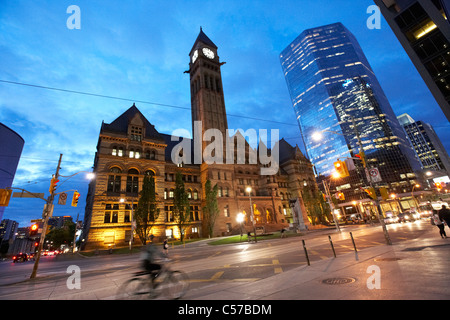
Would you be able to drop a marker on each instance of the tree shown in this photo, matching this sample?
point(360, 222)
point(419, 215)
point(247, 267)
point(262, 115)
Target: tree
point(317, 207)
point(211, 208)
point(181, 205)
point(63, 235)
point(147, 211)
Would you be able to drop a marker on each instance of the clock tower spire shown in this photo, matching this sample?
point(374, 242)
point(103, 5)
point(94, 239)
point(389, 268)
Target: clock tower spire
point(207, 99)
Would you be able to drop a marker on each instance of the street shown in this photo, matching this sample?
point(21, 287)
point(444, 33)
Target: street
point(207, 266)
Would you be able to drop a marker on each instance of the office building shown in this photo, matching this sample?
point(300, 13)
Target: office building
point(335, 92)
point(423, 29)
point(426, 143)
point(11, 148)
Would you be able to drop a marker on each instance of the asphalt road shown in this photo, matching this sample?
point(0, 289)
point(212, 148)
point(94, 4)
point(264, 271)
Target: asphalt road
point(206, 264)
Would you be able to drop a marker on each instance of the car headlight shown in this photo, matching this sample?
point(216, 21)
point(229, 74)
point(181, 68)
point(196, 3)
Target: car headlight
point(406, 217)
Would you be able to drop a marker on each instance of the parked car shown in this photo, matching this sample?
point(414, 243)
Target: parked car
point(21, 257)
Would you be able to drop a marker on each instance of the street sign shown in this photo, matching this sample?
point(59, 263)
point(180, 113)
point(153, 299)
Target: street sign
point(62, 198)
point(375, 175)
point(27, 195)
point(36, 220)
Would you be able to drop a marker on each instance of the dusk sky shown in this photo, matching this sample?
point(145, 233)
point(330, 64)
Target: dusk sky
point(138, 51)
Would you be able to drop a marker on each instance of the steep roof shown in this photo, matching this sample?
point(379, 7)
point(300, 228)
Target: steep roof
point(120, 125)
point(202, 37)
point(288, 152)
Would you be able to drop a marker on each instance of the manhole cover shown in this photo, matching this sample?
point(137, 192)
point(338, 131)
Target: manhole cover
point(387, 259)
point(334, 281)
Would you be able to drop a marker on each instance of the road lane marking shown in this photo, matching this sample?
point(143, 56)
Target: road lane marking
point(215, 254)
point(318, 254)
point(217, 275)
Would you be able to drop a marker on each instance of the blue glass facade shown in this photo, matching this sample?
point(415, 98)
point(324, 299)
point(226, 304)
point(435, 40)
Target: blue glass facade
point(333, 88)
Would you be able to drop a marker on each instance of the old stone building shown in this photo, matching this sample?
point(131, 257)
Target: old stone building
point(130, 147)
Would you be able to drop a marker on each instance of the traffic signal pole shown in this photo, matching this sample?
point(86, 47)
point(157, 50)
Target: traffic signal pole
point(375, 198)
point(47, 214)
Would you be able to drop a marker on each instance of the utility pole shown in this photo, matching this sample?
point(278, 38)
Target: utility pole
point(377, 202)
point(47, 213)
point(331, 204)
point(75, 235)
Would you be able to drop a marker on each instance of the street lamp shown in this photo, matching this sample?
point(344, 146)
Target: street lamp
point(122, 200)
point(249, 190)
point(414, 198)
point(240, 220)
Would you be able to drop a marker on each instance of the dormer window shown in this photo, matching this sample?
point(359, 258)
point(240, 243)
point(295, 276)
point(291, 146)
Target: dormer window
point(136, 134)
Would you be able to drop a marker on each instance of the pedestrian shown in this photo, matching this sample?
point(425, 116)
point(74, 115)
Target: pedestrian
point(439, 223)
point(282, 233)
point(444, 215)
point(166, 248)
point(248, 237)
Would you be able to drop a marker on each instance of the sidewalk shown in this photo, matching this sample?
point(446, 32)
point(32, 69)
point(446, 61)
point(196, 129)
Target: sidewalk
point(415, 269)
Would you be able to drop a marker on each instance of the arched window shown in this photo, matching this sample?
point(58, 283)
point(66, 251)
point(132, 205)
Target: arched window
point(149, 173)
point(114, 151)
point(133, 181)
point(195, 195)
point(114, 180)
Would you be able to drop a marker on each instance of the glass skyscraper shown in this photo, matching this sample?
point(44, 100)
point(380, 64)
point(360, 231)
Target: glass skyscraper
point(334, 91)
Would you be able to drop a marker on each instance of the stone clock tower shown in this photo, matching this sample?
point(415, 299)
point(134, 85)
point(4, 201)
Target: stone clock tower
point(208, 106)
point(207, 99)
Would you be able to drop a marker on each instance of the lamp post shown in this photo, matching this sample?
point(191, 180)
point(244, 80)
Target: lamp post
point(414, 198)
point(331, 204)
point(122, 200)
point(318, 135)
point(249, 190)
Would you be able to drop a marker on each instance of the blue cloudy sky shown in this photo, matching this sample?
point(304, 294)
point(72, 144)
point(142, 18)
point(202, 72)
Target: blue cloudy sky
point(138, 51)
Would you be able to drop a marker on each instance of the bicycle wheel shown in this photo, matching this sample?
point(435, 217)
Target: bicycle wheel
point(134, 289)
point(176, 285)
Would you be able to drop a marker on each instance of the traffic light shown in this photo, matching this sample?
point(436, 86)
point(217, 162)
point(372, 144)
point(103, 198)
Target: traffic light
point(340, 196)
point(34, 229)
point(75, 197)
point(341, 168)
point(53, 186)
point(5, 195)
point(371, 192)
point(384, 193)
point(362, 156)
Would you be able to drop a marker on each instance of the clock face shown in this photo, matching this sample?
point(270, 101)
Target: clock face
point(194, 56)
point(208, 53)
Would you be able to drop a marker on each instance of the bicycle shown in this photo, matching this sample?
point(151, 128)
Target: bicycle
point(144, 285)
